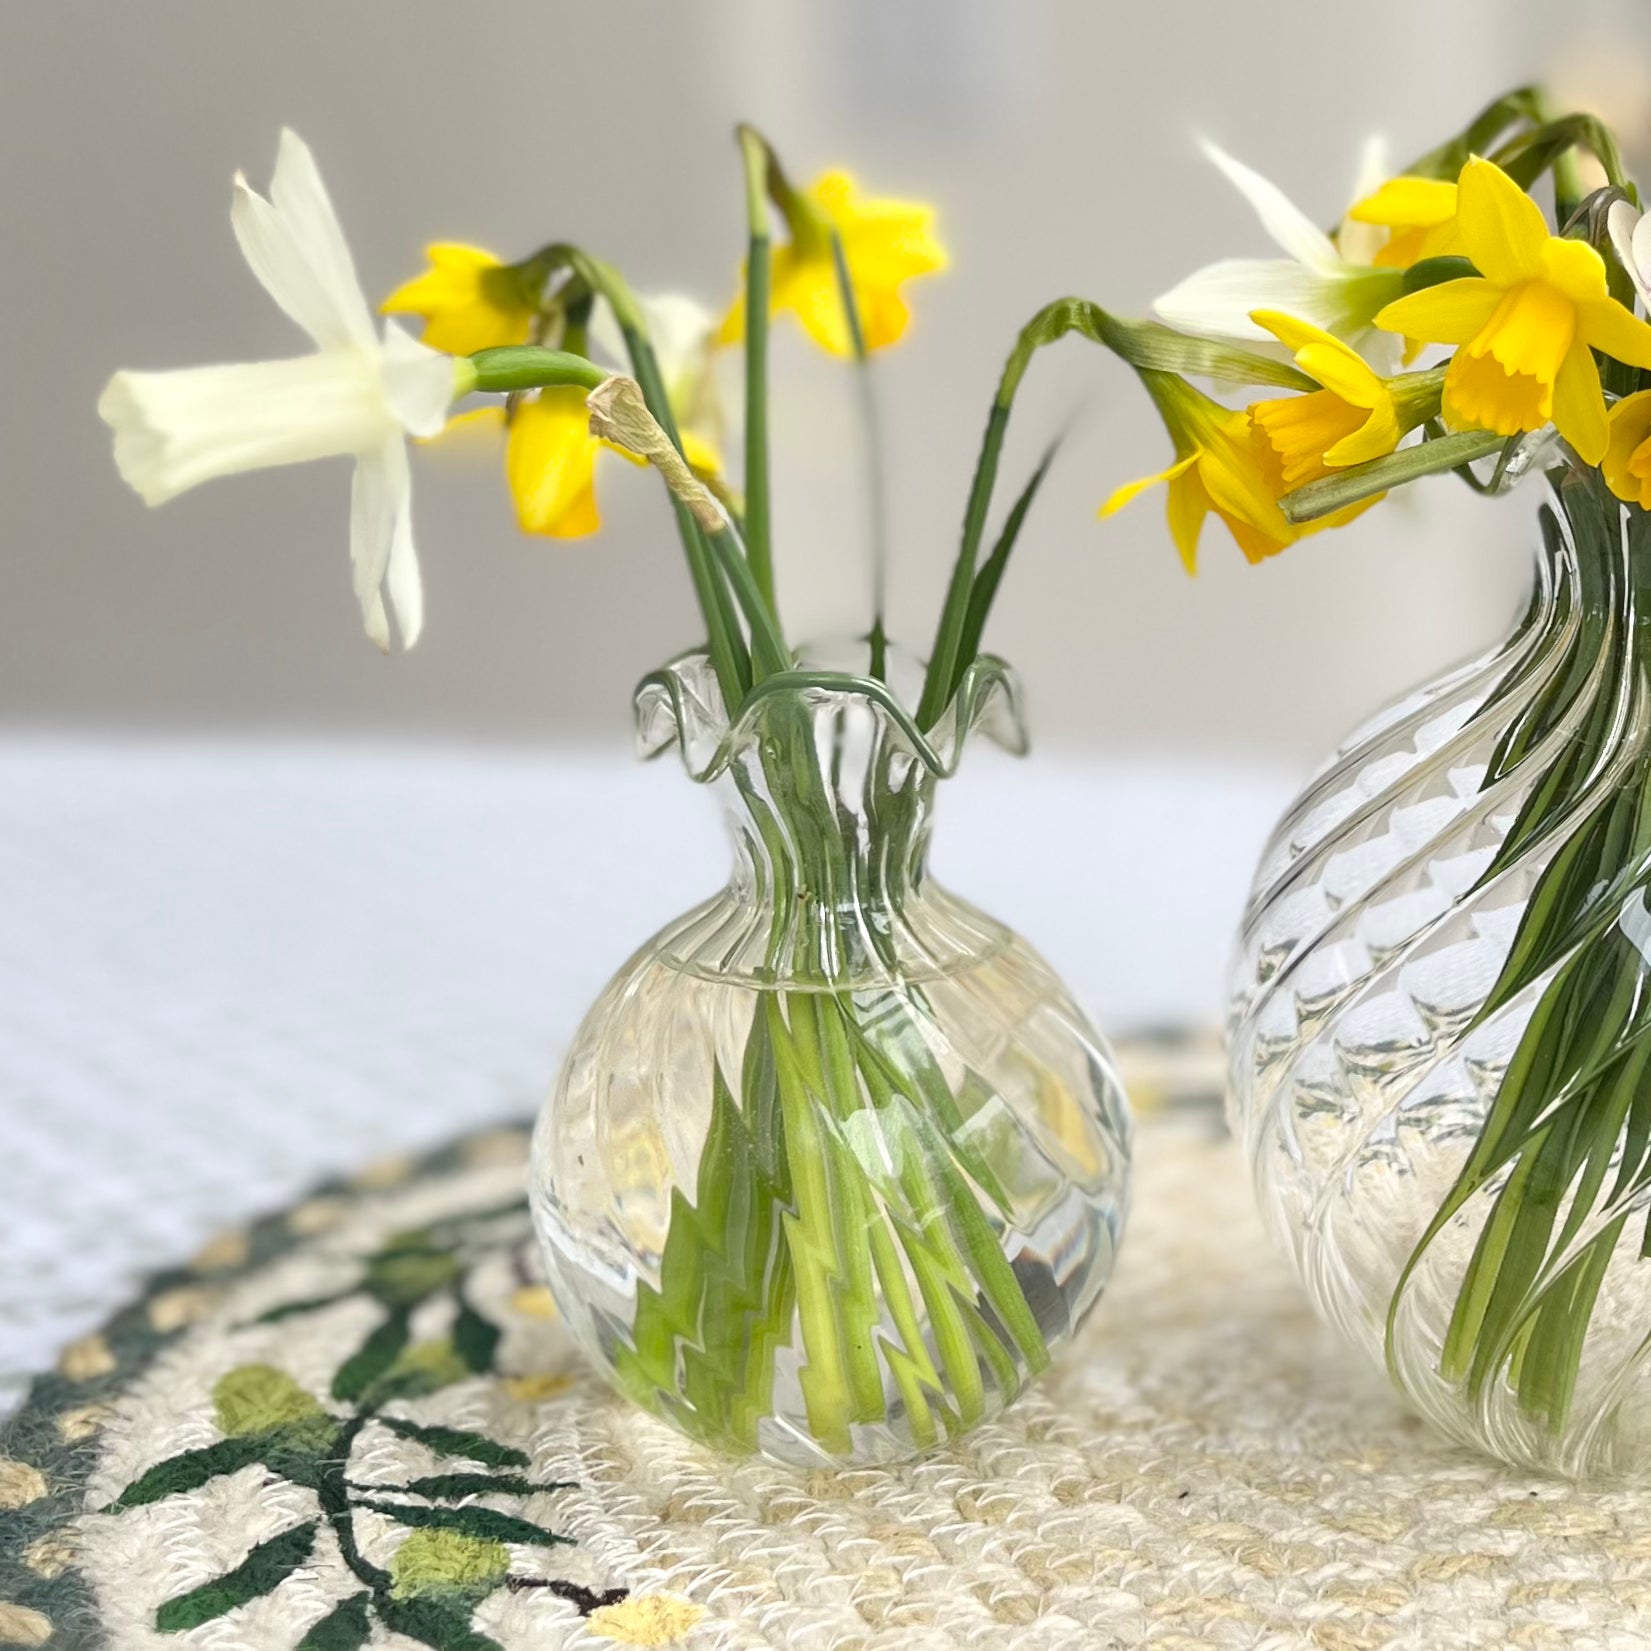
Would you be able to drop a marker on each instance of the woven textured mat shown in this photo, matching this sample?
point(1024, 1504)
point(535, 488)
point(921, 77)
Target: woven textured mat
point(220, 1467)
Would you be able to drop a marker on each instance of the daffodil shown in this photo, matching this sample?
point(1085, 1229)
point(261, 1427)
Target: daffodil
point(1316, 282)
point(469, 299)
point(1218, 467)
point(1627, 462)
point(885, 244)
point(1527, 325)
point(1355, 415)
point(1419, 215)
point(551, 455)
point(356, 394)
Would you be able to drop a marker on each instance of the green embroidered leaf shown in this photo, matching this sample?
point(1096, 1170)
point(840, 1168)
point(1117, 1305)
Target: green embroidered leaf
point(433, 1623)
point(261, 1572)
point(311, 1304)
point(458, 1441)
point(374, 1356)
point(443, 1487)
point(482, 1523)
point(344, 1628)
point(475, 1338)
point(189, 1471)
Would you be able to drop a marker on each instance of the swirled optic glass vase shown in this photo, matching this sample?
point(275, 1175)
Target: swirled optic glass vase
point(835, 1164)
point(1441, 1021)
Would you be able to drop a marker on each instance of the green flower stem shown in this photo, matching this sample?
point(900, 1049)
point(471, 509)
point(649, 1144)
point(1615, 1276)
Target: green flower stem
point(872, 436)
point(758, 517)
point(1364, 481)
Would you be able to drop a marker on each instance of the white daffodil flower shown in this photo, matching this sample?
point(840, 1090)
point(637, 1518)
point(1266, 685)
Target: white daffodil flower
point(357, 394)
point(1630, 232)
point(1317, 282)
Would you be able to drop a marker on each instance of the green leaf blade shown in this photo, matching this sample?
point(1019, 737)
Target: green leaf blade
point(261, 1572)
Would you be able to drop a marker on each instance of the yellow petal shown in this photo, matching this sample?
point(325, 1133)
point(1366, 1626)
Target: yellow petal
point(1451, 313)
point(550, 461)
point(1375, 439)
point(808, 288)
point(1234, 481)
point(461, 429)
point(1133, 490)
point(1186, 507)
point(701, 454)
point(1615, 331)
point(1406, 203)
point(459, 255)
point(1503, 230)
point(1624, 466)
point(1324, 357)
point(1579, 404)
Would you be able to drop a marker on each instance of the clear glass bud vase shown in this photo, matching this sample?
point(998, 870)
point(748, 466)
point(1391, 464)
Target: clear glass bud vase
point(1441, 1020)
point(835, 1164)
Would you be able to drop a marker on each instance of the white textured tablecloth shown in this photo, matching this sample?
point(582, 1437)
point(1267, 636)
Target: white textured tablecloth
point(226, 970)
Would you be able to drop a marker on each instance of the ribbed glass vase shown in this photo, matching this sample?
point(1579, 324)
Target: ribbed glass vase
point(835, 1164)
point(1440, 1033)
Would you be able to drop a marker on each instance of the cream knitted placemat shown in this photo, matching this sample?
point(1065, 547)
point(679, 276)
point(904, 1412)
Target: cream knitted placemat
point(359, 1423)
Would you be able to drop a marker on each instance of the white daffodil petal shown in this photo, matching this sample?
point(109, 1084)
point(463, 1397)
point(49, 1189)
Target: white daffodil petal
point(418, 382)
point(1217, 299)
point(282, 267)
point(1288, 225)
point(373, 505)
point(299, 196)
point(401, 576)
point(175, 430)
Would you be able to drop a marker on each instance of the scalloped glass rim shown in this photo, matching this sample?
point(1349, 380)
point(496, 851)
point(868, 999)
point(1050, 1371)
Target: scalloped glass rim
point(680, 705)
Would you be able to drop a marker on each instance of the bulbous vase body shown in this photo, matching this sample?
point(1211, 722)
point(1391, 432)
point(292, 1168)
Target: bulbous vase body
point(1440, 1028)
point(835, 1164)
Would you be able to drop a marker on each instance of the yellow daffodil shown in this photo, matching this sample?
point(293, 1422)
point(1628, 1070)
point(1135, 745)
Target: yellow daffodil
point(1356, 415)
point(1220, 467)
point(1627, 462)
point(1526, 325)
point(1419, 215)
point(885, 243)
point(469, 300)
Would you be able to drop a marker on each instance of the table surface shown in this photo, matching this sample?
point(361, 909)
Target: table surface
point(229, 969)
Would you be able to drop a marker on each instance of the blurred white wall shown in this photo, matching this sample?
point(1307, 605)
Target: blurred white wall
point(1055, 136)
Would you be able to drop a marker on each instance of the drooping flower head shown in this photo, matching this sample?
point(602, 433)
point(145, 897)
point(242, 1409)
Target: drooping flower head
point(551, 455)
point(1219, 467)
point(356, 394)
point(1356, 414)
point(469, 299)
point(1527, 325)
point(886, 243)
